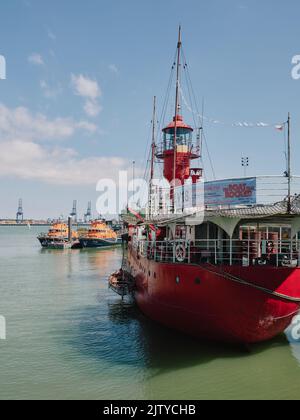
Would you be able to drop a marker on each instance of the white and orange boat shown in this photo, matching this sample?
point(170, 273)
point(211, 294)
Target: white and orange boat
point(59, 236)
point(99, 235)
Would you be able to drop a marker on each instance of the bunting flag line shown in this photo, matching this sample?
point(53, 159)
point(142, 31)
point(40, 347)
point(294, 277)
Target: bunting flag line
point(244, 124)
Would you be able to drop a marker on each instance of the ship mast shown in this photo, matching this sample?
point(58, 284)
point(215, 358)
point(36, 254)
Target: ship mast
point(177, 107)
point(153, 147)
point(289, 171)
point(153, 140)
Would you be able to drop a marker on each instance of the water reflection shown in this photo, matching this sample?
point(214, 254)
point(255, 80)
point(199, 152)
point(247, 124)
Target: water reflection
point(119, 334)
point(63, 262)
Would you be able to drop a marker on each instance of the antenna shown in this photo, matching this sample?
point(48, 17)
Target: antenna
point(201, 130)
point(179, 45)
point(153, 138)
point(289, 170)
point(177, 108)
point(153, 147)
point(20, 214)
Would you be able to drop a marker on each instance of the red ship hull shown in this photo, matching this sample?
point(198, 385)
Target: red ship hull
point(200, 301)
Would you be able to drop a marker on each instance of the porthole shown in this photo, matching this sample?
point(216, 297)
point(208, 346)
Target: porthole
point(177, 280)
point(198, 281)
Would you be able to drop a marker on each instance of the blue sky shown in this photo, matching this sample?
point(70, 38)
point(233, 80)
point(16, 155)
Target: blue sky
point(76, 105)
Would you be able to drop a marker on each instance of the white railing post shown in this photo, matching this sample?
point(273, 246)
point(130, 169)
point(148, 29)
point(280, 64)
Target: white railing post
point(280, 244)
point(216, 251)
point(174, 252)
point(249, 252)
point(230, 251)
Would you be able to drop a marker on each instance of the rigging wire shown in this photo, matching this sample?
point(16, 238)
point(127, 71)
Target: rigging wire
point(167, 96)
point(146, 150)
point(209, 157)
point(194, 104)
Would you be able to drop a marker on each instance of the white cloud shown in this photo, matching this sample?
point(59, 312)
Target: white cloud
point(21, 123)
point(113, 68)
point(92, 108)
point(25, 156)
point(36, 59)
point(31, 161)
point(51, 35)
point(90, 90)
point(50, 92)
point(88, 126)
point(85, 87)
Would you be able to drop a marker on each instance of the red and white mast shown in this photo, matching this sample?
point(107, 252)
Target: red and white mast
point(177, 150)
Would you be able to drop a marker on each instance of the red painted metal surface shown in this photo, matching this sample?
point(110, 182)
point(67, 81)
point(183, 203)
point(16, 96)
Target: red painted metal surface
point(179, 124)
point(204, 304)
point(182, 165)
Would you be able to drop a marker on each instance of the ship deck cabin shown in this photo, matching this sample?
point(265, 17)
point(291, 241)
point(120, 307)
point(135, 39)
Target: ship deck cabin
point(272, 242)
point(252, 242)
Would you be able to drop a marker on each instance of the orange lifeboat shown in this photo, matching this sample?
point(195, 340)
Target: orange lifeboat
point(58, 237)
point(99, 235)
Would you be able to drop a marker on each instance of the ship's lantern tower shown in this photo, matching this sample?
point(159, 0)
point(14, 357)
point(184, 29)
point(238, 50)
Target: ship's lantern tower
point(177, 155)
point(178, 148)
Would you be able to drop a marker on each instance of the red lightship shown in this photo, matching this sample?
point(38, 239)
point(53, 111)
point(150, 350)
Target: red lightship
point(225, 270)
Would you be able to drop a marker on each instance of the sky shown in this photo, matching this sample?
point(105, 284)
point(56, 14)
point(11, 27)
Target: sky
point(76, 104)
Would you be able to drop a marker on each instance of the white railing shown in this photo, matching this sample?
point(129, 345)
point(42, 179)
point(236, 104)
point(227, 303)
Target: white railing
point(279, 253)
point(269, 190)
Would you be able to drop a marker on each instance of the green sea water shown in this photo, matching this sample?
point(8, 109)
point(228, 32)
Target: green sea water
point(69, 337)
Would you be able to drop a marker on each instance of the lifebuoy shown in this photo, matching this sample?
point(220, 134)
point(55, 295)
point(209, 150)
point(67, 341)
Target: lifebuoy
point(180, 253)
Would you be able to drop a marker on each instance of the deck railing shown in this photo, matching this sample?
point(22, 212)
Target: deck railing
point(268, 190)
point(281, 253)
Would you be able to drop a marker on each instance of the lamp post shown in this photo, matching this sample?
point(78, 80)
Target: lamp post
point(245, 165)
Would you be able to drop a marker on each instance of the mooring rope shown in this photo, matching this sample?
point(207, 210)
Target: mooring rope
point(255, 286)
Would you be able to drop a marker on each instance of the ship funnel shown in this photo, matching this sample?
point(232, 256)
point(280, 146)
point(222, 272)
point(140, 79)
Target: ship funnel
point(70, 228)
